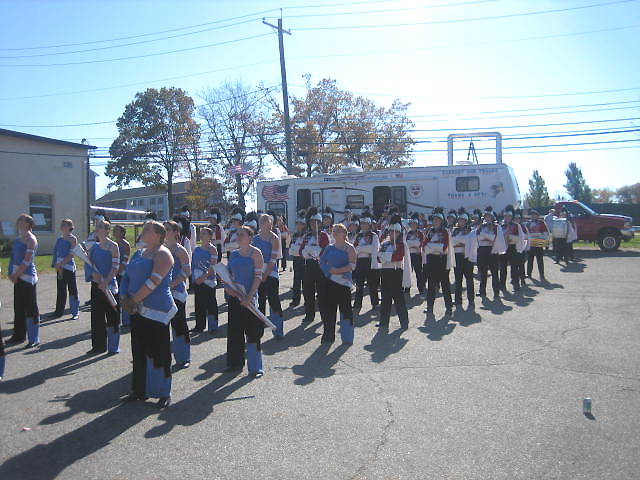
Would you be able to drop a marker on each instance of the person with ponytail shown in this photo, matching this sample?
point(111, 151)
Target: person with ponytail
point(62, 261)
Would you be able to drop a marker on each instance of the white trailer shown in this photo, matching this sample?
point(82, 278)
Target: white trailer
point(411, 189)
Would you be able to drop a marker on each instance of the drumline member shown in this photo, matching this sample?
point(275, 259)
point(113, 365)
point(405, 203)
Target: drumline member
point(147, 297)
point(538, 238)
point(105, 319)
point(490, 246)
point(367, 245)
point(22, 273)
point(438, 260)
point(203, 280)
point(281, 224)
point(414, 240)
point(515, 241)
point(313, 245)
point(181, 271)
point(119, 232)
point(269, 245)
point(465, 248)
point(337, 263)
point(395, 274)
point(62, 261)
point(298, 260)
point(245, 330)
point(217, 231)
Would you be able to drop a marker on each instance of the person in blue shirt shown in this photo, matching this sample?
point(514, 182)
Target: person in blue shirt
point(65, 267)
point(105, 317)
point(119, 234)
point(244, 329)
point(146, 295)
point(23, 275)
point(181, 271)
point(269, 244)
point(203, 280)
point(337, 262)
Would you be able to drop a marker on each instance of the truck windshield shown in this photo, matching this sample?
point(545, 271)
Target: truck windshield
point(587, 208)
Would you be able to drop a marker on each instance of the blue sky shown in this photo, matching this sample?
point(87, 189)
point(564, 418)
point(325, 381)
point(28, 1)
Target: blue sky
point(568, 75)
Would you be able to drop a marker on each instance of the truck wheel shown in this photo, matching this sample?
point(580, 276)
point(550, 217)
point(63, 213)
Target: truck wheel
point(609, 241)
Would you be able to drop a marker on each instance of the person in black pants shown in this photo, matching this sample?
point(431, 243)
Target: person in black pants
point(367, 245)
point(538, 236)
point(462, 240)
point(436, 245)
point(313, 282)
point(297, 259)
point(392, 257)
point(490, 246)
point(204, 282)
point(414, 240)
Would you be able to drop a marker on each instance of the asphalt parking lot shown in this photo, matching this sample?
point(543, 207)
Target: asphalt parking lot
point(491, 394)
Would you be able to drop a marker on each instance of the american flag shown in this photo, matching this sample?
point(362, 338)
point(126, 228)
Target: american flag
point(275, 193)
point(240, 170)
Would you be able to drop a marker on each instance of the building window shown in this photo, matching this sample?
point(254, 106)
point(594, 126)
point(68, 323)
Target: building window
point(467, 184)
point(41, 209)
point(355, 201)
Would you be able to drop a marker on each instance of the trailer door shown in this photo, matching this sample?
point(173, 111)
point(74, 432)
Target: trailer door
point(316, 199)
point(399, 198)
point(279, 208)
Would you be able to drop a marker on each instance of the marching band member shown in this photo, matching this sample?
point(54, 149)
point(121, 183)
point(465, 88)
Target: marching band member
point(189, 241)
point(147, 297)
point(522, 256)
point(119, 232)
point(465, 248)
point(414, 240)
point(438, 261)
point(515, 240)
point(572, 236)
point(452, 217)
point(23, 275)
point(313, 244)
point(337, 263)
point(204, 282)
point(230, 241)
point(269, 245)
point(538, 238)
point(245, 330)
point(281, 224)
point(179, 273)
point(490, 245)
point(327, 222)
point(476, 218)
point(62, 261)
point(348, 216)
point(352, 229)
point(298, 260)
point(89, 242)
point(251, 221)
point(217, 231)
point(105, 318)
point(395, 274)
point(367, 269)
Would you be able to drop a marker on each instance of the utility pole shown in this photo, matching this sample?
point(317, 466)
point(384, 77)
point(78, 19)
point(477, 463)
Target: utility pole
point(285, 93)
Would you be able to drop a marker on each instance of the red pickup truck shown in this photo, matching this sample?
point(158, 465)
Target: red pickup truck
point(606, 229)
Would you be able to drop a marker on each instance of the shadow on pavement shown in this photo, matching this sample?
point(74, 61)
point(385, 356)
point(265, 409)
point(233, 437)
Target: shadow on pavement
point(384, 344)
point(319, 364)
point(200, 404)
point(573, 267)
point(45, 462)
point(600, 254)
point(300, 335)
point(466, 318)
point(61, 343)
point(495, 306)
point(437, 330)
point(15, 385)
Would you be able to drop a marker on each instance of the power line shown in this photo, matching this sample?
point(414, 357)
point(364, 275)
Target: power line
point(96, 49)
point(180, 50)
point(255, 14)
point(474, 19)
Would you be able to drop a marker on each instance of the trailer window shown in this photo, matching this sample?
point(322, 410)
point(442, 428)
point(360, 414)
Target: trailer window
point(355, 201)
point(303, 197)
point(317, 199)
point(467, 184)
point(279, 208)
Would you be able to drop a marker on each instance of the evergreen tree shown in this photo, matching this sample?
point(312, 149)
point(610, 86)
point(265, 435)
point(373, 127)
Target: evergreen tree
point(576, 184)
point(538, 195)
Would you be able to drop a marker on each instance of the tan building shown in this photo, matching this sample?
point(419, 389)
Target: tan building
point(48, 179)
